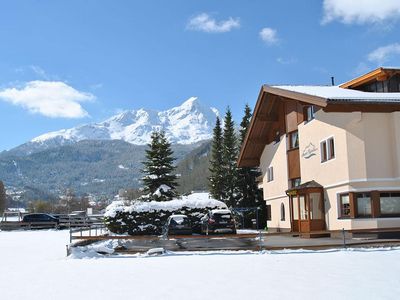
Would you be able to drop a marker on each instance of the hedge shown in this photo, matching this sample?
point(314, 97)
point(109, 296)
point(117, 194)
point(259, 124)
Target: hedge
point(148, 218)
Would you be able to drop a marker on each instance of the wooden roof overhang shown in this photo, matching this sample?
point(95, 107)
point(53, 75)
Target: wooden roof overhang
point(379, 74)
point(266, 119)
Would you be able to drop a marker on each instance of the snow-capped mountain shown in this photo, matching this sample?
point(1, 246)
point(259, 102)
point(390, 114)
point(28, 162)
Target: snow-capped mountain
point(186, 124)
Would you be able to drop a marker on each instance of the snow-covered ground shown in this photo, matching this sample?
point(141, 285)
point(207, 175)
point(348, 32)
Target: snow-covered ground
point(33, 266)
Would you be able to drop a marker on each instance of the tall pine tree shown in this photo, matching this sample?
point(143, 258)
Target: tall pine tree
point(216, 179)
point(248, 192)
point(159, 181)
point(249, 195)
point(229, 160)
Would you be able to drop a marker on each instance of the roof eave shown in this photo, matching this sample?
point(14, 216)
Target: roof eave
point(374, 74)
point(240, 161)
point(303, 97)
point(266, 89)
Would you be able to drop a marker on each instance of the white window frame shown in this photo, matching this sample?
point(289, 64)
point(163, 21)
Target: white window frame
point(312, 107)
point(329, 156)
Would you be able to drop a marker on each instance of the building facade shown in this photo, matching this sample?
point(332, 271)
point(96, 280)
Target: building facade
point(329, 155)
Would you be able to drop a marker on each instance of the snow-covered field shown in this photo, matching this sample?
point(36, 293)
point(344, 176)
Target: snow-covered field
point(33, 266)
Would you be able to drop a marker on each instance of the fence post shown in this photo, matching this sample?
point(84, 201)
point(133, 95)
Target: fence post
point(344, 238)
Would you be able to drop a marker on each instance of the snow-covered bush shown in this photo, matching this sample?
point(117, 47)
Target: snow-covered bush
point(142, 218)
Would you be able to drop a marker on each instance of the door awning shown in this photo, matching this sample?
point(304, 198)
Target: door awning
point(309, 185)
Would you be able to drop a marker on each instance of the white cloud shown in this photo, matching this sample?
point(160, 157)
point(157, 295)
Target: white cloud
point(360, 11)
point(284, 61)
point(384, 54)
point(360, 69)
point(39, 71)
point(269, 36)
point(204, 22)
point(53, 99)
point(96, 86)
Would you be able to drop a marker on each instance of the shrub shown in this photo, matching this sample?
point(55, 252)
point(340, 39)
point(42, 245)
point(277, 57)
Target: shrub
point(148, 218)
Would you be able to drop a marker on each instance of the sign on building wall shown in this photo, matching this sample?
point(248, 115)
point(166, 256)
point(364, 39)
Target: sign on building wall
point(309, 151)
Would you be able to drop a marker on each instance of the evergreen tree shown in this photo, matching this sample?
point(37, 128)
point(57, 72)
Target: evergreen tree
point(216, 179)
point(3, 197)
point(249, 195)
point(159, 182)
point(229, 160)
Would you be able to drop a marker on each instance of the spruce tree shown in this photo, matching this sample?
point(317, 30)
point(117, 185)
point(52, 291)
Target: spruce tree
point(229, 159)
point(216, 179)
point(247, 186)
point(159, 181)
point(3, 197)
point(249, 195)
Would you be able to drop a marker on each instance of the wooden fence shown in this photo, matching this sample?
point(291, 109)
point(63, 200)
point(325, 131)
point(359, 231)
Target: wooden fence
point(65, 221)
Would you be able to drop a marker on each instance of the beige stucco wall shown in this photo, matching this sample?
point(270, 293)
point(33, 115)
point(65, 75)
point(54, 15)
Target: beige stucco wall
point(274, 155)
point(311, 134)
point(367, 157)
point(396, 142)
point(276, 223)
point(369, 143)
point(367, 146)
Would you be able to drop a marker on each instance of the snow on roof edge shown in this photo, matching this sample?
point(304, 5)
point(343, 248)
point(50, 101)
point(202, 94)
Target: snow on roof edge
point(338, 93)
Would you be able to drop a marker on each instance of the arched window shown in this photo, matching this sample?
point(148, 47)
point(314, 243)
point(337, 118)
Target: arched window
point(282, 212)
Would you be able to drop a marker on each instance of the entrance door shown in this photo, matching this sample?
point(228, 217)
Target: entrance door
point(304, 218)
point(317, 211)
point(308, 212)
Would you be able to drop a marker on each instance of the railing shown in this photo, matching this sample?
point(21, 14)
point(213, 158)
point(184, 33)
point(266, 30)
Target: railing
point(64, 222)
point(257, 241)
point(95, 231)
point(27, 225)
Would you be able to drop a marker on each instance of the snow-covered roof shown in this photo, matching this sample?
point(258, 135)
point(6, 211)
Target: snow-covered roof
point(337, 93)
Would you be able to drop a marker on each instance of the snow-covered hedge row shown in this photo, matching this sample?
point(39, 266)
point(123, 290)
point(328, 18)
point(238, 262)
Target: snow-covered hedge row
point(140, 218)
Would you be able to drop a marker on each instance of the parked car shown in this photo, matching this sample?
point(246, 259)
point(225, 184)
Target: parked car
point(40, 218)
point(177, 224)
point(218, 221)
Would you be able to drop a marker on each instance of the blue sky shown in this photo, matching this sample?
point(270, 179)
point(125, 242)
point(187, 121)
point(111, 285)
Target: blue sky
point(64, 63)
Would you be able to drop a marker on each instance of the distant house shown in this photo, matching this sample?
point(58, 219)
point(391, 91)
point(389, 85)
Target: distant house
point(329, 155)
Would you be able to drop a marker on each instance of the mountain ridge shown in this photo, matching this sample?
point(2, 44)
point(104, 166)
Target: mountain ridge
point(101, 158)
point(188, 123)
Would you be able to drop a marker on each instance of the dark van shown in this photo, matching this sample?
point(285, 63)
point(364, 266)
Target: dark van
point(218, 221)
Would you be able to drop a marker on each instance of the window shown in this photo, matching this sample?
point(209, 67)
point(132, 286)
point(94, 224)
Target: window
point(316, 206)
point(282, 212)
point(303, 208)
point(344, 206)
point(363, 205)
point(270, 174)
point(309, 113)
point(277, 138)
point(295, 182)
point(390, 204)
point(269, 213)
point(327, 149)
point(295, 206)
point(294, 140)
